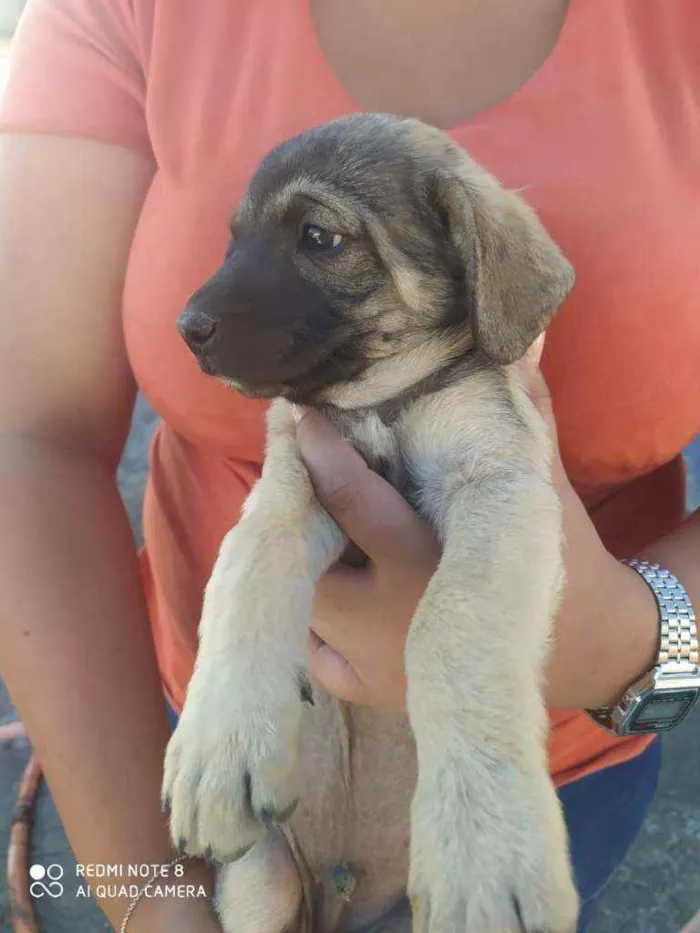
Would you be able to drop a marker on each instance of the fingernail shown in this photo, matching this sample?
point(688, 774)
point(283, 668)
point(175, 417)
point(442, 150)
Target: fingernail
point(538, 349)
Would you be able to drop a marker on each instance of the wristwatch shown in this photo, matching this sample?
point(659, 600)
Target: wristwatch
point(665, 695)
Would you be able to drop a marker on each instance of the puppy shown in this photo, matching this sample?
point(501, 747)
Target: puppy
point(378, 274)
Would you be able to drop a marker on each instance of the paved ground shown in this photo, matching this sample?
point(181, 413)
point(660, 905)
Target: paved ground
point(655, 892)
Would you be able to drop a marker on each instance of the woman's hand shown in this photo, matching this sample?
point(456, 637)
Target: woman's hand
point(606, 630)
point(362, 614)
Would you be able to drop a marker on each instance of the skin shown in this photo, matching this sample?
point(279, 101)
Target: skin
point(606, 632)
point(67, 214)
point(441, 61)
point(77, 653)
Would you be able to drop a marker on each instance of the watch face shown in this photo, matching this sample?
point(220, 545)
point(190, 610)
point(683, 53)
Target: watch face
point(662, 711)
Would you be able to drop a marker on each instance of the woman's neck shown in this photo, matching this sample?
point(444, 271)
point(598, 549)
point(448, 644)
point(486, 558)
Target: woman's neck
point(443, 60)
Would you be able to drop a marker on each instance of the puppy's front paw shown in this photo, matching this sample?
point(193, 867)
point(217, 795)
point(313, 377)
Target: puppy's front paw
point(489, 857)
point(231, 764)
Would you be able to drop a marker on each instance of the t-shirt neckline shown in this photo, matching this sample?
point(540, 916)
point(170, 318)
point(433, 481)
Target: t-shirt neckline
point(539, 77)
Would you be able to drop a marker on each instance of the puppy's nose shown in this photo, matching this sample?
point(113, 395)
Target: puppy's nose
point(197, 328)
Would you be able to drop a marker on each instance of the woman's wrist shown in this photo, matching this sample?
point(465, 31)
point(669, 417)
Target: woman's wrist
point(596, 655)
point(176, 903)
point(635, 617)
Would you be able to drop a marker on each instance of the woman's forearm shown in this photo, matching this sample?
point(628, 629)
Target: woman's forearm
point(597, 655)
point(77, 655)
point(679, 552)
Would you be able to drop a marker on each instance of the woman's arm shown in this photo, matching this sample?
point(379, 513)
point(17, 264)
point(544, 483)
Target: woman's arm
point(75, 642)
point(606, 633)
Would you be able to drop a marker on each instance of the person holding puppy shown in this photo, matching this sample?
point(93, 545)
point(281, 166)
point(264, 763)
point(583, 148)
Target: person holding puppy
point(128, 132)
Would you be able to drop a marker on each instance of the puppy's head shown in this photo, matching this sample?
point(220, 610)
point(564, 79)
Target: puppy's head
point(367, 254)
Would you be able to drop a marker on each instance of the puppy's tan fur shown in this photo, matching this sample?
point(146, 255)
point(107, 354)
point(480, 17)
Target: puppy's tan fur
point(488, 850)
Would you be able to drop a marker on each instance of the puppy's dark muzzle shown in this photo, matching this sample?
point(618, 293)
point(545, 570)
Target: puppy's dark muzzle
point(258, 322)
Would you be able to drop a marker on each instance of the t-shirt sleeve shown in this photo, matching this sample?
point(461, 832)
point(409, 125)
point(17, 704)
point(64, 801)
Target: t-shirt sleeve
point(75, 70)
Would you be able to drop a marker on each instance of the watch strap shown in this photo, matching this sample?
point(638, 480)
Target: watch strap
point(678, 633)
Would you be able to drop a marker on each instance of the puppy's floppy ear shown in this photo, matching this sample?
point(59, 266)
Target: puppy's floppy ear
point(516, 276)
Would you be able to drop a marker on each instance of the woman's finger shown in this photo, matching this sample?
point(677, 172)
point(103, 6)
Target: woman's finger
point(367, 508)
point(340, 604)
point(529, 367)
point(332, 671)
point(539, 393)
point(534, 352)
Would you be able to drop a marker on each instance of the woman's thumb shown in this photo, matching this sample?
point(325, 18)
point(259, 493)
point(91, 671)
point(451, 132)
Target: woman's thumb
point(370, 512)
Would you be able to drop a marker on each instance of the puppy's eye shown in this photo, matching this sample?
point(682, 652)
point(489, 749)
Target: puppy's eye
point(317, 240)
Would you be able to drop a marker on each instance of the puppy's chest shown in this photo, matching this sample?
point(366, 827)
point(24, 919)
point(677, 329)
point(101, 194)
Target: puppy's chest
point(382, 446)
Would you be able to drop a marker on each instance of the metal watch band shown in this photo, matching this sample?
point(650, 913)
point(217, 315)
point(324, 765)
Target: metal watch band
point(678, 634)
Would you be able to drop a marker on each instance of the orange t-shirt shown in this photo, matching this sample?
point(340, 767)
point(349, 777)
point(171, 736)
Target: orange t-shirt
point(604, 141)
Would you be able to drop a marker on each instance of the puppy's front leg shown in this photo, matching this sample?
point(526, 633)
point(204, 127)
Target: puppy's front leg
point(489, 849)
point(231, 765)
